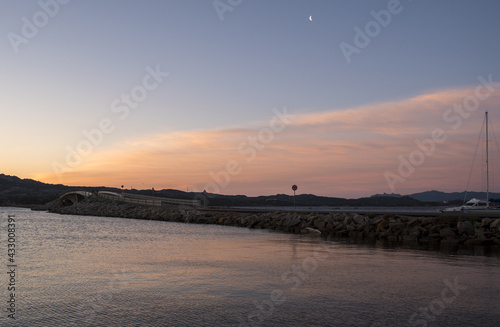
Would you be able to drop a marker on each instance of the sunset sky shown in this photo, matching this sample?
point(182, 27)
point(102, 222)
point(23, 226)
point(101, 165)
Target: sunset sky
point(342, 98)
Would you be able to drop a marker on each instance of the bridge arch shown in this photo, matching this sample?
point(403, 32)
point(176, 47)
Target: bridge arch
point(73, 197)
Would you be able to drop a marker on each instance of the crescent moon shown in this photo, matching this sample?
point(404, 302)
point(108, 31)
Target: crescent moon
point(311, 18)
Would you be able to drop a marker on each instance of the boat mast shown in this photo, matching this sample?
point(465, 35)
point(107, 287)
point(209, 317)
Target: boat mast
point(487, 170)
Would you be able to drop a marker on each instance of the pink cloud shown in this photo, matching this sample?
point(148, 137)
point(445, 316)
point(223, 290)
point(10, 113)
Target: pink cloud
point(342, 153)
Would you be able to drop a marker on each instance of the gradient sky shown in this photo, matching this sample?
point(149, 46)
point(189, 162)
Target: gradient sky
point(209, 120)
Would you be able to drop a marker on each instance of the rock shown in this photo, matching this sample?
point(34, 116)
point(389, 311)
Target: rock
point(397, 226)
point(320, 224)
point(363, 226)
point(427, 221)
point(418, 231)
point(394, 220)
point(358, 219)
point(485, 222)
point(338, 225)
point(445, 230)
point(312, 230)
point(339, 217)
point(465, 227)
point(437, 228)
point(293, 221)
point(447, 233)
point(479, 233)
point(413, 222)
point(488, 235)
point(253, 221)
point(382, 226)
point(495, 223)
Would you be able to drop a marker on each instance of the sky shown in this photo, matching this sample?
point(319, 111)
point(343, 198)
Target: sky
point(341, 98)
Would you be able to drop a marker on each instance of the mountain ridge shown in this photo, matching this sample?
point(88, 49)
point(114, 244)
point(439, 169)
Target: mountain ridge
point(439, 196)
point(17, 191)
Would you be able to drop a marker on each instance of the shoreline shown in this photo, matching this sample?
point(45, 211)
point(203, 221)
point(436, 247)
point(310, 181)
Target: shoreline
point(449, 230)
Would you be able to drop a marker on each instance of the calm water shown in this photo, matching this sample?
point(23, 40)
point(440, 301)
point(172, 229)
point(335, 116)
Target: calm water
point(91, 271)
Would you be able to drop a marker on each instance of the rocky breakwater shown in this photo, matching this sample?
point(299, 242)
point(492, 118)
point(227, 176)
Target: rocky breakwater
point(450, 230)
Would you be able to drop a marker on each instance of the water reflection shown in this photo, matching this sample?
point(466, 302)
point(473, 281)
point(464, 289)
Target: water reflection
point(446, 249)
point(95, 271)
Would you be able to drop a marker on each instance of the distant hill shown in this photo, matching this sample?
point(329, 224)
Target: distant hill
point(394, 195)
point(437, 196)
point(310, 200)
point(448, 197)
point(17, 191)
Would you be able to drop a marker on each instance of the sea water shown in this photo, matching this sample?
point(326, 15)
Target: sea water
point(100, 271)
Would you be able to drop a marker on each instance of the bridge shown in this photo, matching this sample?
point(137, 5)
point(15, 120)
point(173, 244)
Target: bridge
point(147, 200)
point(73, 197)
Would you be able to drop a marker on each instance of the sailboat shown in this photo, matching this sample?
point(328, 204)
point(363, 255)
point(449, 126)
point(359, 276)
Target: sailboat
point(475, 205)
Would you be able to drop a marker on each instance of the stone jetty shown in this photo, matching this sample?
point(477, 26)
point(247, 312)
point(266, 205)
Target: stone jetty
point(449, 230)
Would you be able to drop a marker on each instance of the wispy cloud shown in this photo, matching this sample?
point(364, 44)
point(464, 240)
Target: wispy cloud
point(338, 152)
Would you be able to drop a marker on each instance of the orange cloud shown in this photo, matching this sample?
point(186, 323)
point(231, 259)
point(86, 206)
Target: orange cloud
point(345, 153)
